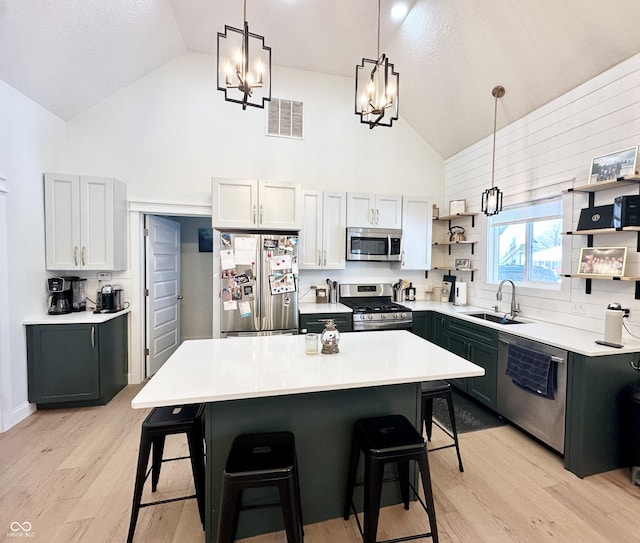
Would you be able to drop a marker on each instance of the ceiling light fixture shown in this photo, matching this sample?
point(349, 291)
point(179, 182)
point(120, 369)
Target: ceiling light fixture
point(244, 66)
point(377, 87)
point(492, 198)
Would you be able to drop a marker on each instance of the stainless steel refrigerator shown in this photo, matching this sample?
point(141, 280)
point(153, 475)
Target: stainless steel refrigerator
point(258, 283)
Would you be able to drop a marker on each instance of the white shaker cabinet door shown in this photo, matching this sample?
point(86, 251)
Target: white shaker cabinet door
point(235, 203)
point(62, 221)
point(334, 222)
point(388, 211)
point(279, 205)
point(416, 233)
point(310, 244)
point(361, 210)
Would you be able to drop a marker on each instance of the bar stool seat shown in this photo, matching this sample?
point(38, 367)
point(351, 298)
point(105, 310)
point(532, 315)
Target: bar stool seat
point(161, 422)
point(382, 440)
point(430, 391)
point(257, 461)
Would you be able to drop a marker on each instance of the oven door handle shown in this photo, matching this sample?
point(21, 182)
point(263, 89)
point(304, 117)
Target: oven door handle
point(557, 359)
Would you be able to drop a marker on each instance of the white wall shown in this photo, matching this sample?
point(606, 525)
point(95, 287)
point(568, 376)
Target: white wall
point(169, 133)
point(31, 142)
point(547, 151)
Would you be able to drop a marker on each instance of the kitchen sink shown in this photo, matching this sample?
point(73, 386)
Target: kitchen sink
point(492, 317)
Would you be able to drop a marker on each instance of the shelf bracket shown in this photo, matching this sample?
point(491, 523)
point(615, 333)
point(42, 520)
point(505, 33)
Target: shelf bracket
point(473, 221)
point(587, 287)
point(637, 296)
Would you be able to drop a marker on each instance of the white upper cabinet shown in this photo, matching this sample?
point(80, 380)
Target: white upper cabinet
point(374, 210)
point(86, 223)
point(255, 204)
point(322, 238)
point(416, 233)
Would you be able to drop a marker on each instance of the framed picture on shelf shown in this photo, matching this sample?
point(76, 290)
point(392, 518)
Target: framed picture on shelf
point(457, 206)
point(462, 264)
point(614, 165)
point(604, 261)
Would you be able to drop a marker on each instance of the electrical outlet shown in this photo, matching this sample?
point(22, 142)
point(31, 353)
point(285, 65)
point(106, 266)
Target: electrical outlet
point(104, 276)
point(579, 307)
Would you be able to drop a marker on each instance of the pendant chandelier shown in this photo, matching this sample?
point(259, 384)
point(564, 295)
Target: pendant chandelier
point(492, 198)
point(377, 87)
point(244, 66)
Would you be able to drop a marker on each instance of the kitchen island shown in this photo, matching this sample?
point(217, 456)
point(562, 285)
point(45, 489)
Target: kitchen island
point(254, 384)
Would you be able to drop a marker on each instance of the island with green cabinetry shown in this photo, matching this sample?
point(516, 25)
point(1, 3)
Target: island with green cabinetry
point(268, 383)
point(76, 360)
point(597, 377)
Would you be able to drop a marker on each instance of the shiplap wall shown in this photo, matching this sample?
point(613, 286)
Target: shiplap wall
point(541, 155)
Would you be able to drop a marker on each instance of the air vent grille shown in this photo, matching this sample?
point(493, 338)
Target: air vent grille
point(285, 118)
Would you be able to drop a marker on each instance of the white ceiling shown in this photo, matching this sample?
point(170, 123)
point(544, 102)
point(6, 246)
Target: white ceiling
point(68, 55)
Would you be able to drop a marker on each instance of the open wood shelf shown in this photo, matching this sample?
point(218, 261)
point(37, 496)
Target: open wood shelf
point(605, 277)
point(605, 185)
point(602, 231)
point(453, 268)
point(457, 215)
point(453, 242)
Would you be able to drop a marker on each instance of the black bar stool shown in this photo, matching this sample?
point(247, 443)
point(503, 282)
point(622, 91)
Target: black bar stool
point(439, 389)
point(382, 440)
point(257, 461)
point(161, 422)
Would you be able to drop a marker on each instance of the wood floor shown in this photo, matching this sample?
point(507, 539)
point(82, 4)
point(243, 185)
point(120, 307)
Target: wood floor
point(67, 476)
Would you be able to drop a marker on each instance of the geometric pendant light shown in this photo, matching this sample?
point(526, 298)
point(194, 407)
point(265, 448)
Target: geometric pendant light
point(244, 66)
point(492, 197)
point(377, 87)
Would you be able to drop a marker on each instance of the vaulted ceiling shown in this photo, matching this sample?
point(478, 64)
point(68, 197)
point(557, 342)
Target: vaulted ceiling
point(68, 55)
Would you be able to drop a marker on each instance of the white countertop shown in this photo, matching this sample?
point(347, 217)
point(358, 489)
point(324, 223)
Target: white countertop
point(79, 317)
point(311, 308)
point(213, 370)
point(564, 337)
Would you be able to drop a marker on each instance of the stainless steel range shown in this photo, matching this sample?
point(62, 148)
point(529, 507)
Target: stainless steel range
point(373, 308)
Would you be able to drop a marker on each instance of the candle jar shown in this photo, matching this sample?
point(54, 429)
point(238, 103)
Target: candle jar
point(330, 338)
point(311, 344)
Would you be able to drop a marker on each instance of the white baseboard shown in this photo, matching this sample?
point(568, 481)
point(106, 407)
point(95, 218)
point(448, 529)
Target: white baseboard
point(17, 415)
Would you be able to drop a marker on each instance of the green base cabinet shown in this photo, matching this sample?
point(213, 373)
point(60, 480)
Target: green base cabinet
point(76, 364)
point(421, 324)
point(479, 345)
point(596, 434)
point(315, 322)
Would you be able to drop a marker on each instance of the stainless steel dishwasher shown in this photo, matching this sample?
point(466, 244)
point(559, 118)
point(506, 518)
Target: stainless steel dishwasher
point(542, 417)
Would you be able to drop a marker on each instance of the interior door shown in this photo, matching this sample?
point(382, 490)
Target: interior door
point(162, 283)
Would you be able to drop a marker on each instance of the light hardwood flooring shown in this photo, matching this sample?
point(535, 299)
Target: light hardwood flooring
point(66, 476)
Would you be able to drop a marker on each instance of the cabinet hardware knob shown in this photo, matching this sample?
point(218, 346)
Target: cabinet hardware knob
point(635, 366)
point(75, 255)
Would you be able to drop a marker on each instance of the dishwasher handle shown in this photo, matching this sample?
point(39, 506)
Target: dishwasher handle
point(557, 359)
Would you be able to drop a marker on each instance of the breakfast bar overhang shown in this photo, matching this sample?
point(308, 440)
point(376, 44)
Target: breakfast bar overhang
point(267, 383)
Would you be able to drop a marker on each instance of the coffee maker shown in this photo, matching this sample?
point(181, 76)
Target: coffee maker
point(61, 298)
point(109, 300)
point(78, 296)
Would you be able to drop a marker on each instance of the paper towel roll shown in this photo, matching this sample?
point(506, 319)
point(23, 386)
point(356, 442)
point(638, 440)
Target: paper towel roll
point(613, 326)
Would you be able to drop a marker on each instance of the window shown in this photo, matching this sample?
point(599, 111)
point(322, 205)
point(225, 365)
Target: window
point(525, 244)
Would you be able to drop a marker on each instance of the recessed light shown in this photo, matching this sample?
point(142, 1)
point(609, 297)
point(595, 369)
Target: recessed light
point(398, 11)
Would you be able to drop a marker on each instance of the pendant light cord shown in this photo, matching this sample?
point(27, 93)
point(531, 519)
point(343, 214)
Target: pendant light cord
point(378, 57)
point(493, 156)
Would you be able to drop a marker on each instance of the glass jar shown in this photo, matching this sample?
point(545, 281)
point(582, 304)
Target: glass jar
point(330, 338)
point(311, 344)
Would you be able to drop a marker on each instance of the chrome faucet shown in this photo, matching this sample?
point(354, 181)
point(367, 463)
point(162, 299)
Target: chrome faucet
point(515, 306)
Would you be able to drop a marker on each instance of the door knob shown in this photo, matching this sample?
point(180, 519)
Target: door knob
point(179, 296)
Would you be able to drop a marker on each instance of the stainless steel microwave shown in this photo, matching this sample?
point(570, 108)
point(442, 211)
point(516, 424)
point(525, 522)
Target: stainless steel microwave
point(374, 244)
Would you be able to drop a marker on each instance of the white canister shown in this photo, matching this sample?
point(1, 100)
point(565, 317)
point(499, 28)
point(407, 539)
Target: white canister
point(613, 323)
point(460, 297)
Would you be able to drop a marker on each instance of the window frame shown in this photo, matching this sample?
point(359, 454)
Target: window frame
point(534, 211)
